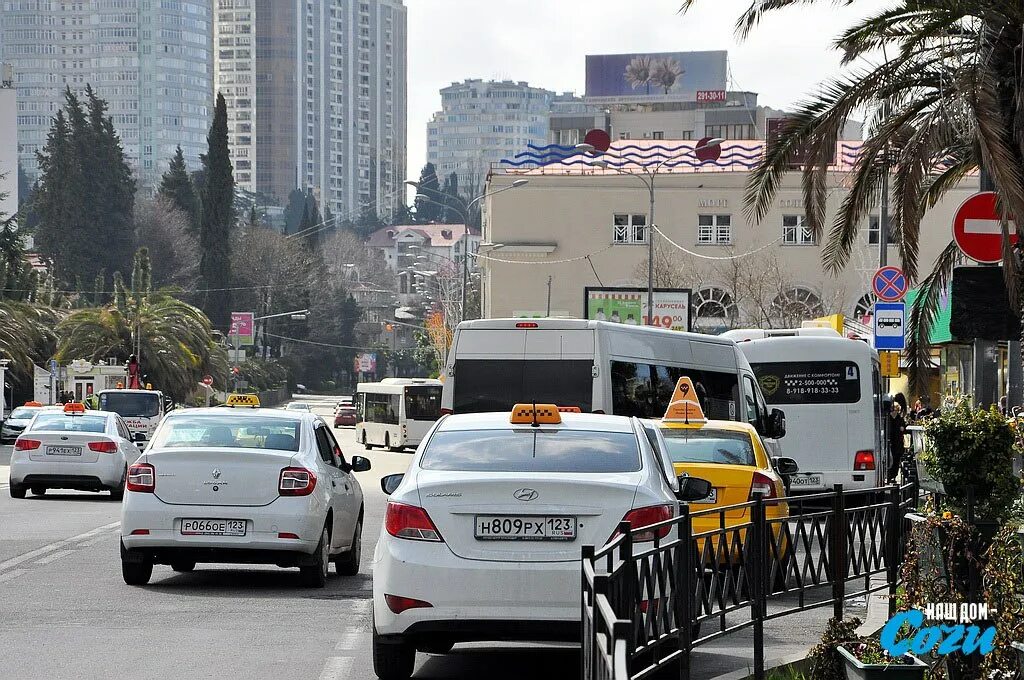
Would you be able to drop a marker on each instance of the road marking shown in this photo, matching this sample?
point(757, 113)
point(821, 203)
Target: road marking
point(336, 667)
point(349, 641)
point(12, 574)
point(92, 542)
point(53, 557)
point(38, 552)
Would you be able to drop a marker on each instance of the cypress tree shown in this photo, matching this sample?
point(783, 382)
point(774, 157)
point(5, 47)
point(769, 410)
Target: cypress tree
point(293, 211)
point(430, 207)
point(60, 234)
point(176, 185)
point(218, 216)
point(452, 202)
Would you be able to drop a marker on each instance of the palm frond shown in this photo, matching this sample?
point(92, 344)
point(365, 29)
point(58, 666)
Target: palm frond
point(923, 314)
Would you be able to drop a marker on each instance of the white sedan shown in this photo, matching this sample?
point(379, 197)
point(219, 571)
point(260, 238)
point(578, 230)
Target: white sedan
point(483, 534)
point(242, 486)
point(72, 448)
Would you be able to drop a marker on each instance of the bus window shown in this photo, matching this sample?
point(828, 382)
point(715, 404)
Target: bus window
point(131, 404)
point(644, 390)
point(484, 385)
point(423, 402)
point(381, 408)
point(809, 382)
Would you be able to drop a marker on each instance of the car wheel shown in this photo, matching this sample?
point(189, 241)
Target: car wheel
point(117, 492)
point(347, 564)
point(392, 660)
point(17, 490)
point(183, 567)
point(315, 575)
point(362, 440)
point(437, 647)
point(135, 572)
point(38, 490)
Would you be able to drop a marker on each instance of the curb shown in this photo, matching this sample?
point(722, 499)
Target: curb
point(769, 665)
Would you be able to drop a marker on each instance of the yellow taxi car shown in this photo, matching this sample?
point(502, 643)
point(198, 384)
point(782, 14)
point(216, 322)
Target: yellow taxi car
point(732, 457)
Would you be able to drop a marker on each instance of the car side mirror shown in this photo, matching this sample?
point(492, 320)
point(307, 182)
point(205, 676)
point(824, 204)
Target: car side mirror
point(389, 483)
point(693, 488)
point(360, 464)
point(785, 466)
point(139, 437)
point(776, 424)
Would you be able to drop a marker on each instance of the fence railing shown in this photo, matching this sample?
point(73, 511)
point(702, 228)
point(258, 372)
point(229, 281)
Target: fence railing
point(709, 573)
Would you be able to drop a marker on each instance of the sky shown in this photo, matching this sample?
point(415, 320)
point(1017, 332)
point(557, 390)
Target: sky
point(545, 42)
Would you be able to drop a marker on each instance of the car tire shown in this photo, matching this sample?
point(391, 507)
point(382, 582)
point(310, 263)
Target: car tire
point(315, 575)
point(347, 563)
point(183, 567)
point(38, 490)
point(388, 446)
point(117, 492)
point(392, 660)
point(18, 490)
point(135, 572)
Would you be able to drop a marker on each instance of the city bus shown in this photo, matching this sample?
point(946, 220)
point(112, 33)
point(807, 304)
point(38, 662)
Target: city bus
point(830, 388)
point(396, 413)
point(599, 367)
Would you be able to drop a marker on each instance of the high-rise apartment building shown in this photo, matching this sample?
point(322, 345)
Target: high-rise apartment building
point(316, 95)
point(151, 61)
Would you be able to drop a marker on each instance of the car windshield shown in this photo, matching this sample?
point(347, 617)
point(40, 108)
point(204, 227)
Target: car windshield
point(233, 431)
point(22, 413)
point(58, 422)
point(532, 451)
point(298, 407)
point(131, 404)
point(708, 446)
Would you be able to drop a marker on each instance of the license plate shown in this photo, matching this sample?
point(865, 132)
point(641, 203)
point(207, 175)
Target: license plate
point(525, 528)
point(63, 450)
point(710, 498)
point(805, 480)
point(213, 527)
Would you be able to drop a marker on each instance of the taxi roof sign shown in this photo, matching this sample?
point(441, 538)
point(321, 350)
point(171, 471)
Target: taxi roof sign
point(33, 403)
point(74, 407)
point(535, 414)
point(684, 407)
point(248, 400)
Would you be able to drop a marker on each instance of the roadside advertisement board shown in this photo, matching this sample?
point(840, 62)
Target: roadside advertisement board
point(365, 363)
point(657, 75)
point(629, 306)
point(242, 328)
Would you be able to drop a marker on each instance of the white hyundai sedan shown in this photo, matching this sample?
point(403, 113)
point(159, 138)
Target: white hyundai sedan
point(483, 534)
point(246, 486)
point(72, 448)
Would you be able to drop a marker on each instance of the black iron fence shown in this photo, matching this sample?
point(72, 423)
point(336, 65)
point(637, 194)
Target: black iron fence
point(709, 573)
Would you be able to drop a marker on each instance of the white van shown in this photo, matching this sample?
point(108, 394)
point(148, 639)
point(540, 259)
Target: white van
point(142, 410)
point(396, 413)
point(599, 367)
point(830, 389)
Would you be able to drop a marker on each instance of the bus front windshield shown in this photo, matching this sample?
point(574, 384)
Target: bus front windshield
point(423, 402)
point(131, 404)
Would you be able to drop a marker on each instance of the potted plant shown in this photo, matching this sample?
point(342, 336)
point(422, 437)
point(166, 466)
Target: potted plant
point(866, 660)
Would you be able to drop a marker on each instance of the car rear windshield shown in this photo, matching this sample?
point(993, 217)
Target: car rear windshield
point(423, 402)
point(58, 422)
point(483, 385)
point(532, 451)
point(131, 405)
point(240, 432)
point(22, 413)
point(787, 383)
point(709, 446)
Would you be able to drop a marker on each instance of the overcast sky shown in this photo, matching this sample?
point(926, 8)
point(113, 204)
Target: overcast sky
point(544, 42)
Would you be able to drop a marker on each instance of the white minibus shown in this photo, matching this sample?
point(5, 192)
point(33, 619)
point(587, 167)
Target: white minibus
point(396, 412)
point(830, 389)
point(598, 367)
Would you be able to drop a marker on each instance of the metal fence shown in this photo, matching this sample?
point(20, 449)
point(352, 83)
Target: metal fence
point(709, 573)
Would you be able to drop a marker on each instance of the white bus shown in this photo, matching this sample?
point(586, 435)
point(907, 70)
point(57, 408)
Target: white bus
point(142, 410)
point(830, 389)
point(599, 367)
point(396, 412)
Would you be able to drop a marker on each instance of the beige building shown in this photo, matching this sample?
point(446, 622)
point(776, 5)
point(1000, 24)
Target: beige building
point(585, 226)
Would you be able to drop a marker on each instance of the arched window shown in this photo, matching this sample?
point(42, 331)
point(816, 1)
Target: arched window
point(792, 307)
point(864, 306)
point(714, 311)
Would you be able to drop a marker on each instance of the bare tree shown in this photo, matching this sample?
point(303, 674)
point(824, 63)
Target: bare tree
point(166, 231)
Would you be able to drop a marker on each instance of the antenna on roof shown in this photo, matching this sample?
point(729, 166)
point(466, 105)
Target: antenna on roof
point(535, 423)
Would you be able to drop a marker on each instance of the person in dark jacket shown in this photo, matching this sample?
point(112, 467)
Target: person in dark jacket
point(897, 427)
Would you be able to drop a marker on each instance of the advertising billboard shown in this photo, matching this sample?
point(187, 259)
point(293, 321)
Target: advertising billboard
point(242, 328)
point(629, 306)
point(365, 363)
point(661, 75)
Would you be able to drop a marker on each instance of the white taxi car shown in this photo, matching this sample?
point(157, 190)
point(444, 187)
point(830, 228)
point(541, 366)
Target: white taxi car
point(72, 448)
point(236, 485)
point(482, 535)
point(18, 420)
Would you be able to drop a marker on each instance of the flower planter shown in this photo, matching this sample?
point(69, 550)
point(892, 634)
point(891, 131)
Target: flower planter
point(855, 670)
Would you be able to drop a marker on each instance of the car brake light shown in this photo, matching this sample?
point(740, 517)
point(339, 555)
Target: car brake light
point(288, 535)
point(642, 517)
point(27, 444)
point(103, 447)
point(140, 532)
point(527, 324)
point(296, 481)
point(864, 460)
point(141, 478)
point(764, 485)
point(411, 522)
point(446, 411)
point(399, 604)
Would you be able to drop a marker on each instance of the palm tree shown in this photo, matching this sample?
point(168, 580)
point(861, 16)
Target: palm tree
point(26, 336)
point(665, 73)
point(946, 102)
point(638, 72)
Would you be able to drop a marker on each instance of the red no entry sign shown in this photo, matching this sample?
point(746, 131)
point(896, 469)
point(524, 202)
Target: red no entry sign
point(977, 230)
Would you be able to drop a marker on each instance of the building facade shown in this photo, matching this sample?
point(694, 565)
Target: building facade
point(8, 143)
point(589, 227)
point(151, 62)
point(317, 99)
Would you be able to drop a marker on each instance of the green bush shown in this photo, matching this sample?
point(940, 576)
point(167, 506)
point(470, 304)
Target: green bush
point(973, 449)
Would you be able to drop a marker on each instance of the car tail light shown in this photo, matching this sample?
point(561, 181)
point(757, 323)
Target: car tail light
point(864, 460)
point(399, 604)
point(764, 485)
point(288, 535)
point(296, 481)
point(142, 478)
point(103, 447)
point(642, 517)
point(446, 411)
point(409, 521)
point(27, 444)
point(140, 532)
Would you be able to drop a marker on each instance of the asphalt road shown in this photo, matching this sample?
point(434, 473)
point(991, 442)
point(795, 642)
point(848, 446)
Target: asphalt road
point(66, 613)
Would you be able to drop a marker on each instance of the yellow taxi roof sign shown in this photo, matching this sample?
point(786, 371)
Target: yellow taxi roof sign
point(248, 400)
point(684, 407)
point(535, 414)
point(74, 407)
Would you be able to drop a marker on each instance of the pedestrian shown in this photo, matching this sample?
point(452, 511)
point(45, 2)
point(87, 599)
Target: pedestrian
point(1002, 406)
point(896, 430)
point(922, 407)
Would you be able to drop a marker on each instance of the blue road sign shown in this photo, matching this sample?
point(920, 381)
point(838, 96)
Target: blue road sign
point(889, 284)
point(890, 325)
